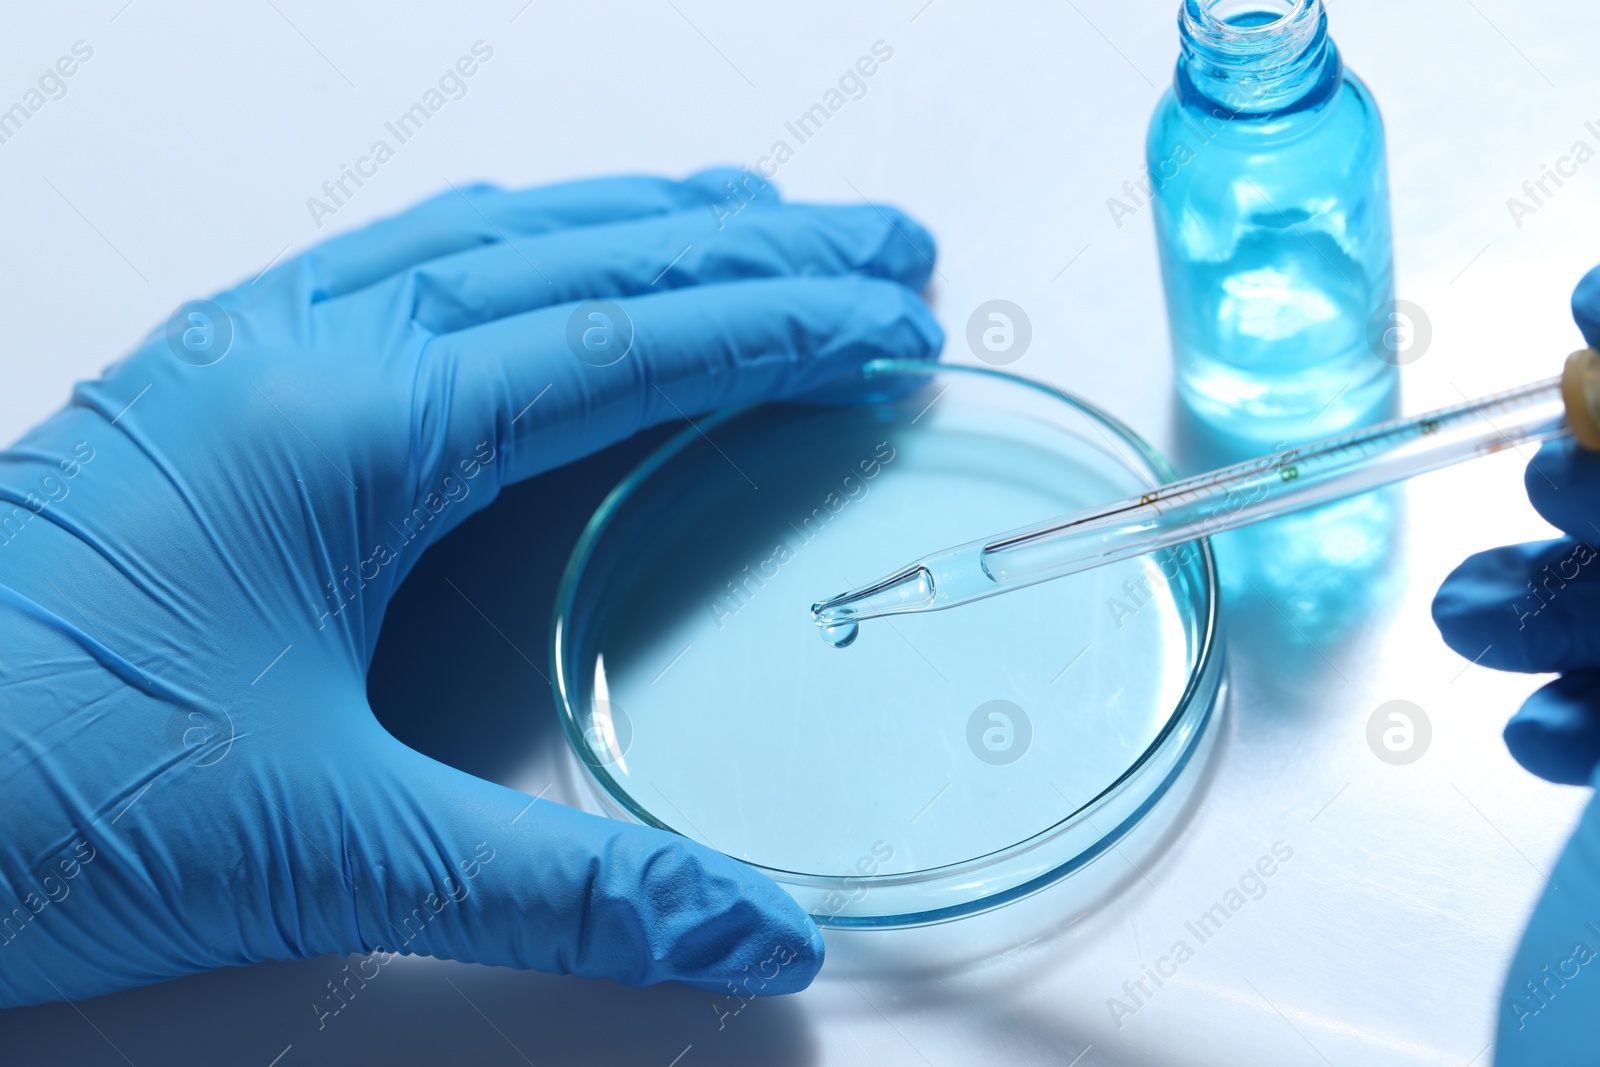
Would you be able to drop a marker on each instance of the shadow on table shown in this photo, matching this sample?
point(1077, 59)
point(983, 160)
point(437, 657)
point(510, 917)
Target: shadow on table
point(461, 671)
point(416, 1011)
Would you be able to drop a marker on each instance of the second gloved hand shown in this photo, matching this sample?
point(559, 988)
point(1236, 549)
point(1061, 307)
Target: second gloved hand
point(1536, 608)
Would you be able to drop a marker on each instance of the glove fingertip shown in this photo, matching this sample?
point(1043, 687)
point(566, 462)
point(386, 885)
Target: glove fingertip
point(910, 247)
point(929, 340)
point(811, 953)
point(449, 200)
point(1562, 481)
point(1500, 608)
point(789, 963)
point(1456, 610)
point(881, 319)
point(1586, 307)
point(744, 933)
point(1556, 732)
point(1545, 753)
point(721, 183)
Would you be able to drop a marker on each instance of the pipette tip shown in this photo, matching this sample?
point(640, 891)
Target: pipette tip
point(906, 590)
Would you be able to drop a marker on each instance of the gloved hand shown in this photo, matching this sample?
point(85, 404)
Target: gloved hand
point(1536, 608)
point(196, 554)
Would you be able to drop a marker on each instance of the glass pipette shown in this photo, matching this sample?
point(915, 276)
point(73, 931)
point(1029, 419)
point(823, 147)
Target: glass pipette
point(1234, 496)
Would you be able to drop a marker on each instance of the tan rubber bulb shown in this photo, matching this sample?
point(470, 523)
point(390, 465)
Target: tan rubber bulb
point(1580, 391)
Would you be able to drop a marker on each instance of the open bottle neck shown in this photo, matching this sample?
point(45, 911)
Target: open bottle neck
point(1256, 57)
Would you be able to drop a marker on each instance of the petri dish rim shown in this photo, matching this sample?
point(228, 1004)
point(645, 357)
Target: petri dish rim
point(1194, 708)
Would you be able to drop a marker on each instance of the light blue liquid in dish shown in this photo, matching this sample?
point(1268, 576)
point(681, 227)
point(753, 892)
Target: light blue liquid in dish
point(748, 733)
point(1271, 206)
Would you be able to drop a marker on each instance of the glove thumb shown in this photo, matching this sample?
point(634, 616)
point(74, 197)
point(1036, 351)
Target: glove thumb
point(473, 871)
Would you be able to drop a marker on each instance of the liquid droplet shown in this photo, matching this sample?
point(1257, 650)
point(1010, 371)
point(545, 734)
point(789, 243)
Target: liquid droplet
point(841, 634)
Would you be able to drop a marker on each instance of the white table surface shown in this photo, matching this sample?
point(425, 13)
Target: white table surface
point(180, 161)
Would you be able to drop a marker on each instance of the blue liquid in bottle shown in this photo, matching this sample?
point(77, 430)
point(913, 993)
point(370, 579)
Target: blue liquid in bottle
point(1271, 205)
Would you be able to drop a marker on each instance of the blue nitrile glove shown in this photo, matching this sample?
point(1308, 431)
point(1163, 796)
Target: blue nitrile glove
point(1536, 608)
point(196, 554)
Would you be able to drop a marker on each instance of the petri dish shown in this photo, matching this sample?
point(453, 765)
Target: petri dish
point(942, 764)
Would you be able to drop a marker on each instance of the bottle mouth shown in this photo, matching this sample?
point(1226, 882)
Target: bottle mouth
point(1251, 26)
point(1254, 55)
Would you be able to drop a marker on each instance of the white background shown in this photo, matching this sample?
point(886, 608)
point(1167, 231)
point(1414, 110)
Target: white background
point(180, 162)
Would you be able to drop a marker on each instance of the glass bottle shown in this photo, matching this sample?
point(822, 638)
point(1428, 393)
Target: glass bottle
point(1271, 205)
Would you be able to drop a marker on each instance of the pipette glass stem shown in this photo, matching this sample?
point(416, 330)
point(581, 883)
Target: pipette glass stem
point(1207, 504)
